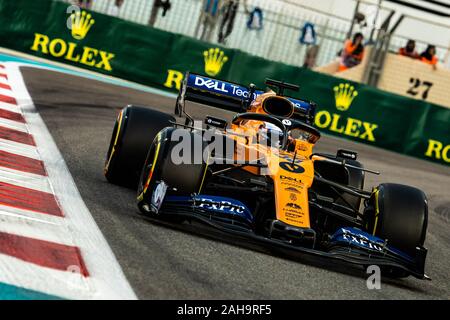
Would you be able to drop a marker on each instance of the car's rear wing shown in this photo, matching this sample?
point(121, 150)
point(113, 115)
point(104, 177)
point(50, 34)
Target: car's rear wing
point(230, 96)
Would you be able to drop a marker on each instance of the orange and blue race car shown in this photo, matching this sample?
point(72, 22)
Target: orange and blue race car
point(257, 178)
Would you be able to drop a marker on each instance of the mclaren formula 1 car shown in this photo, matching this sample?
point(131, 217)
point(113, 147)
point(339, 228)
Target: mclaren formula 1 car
point(257, 177)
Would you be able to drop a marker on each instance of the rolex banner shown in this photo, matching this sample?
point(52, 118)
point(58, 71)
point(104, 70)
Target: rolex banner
point(50, 29)
point(90, 40)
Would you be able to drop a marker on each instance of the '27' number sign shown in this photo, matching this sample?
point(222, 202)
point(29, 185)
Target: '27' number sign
point(419, 87)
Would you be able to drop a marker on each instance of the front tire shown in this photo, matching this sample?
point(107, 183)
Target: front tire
point(133, 133)
point(399, 214)
point(181, 178)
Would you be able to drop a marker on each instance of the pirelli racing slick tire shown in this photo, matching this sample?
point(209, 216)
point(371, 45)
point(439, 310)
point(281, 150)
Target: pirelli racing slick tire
point(399, 214)
point(162, 167)
point(133, 133)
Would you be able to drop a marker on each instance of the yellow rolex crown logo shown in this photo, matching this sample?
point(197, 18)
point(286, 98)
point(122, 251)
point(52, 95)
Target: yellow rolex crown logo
point(81, 23)
point(214, 61)
point(344, 95)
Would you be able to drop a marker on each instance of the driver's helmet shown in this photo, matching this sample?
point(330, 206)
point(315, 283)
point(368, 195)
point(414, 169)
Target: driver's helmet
point(299, 134)
point(303, 135)
point(271, 133)
point(274, 135)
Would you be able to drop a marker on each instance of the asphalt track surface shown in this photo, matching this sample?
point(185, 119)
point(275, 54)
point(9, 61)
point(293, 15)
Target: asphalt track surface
point(165, 262)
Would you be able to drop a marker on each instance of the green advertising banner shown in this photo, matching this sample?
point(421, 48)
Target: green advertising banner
point(157, 58)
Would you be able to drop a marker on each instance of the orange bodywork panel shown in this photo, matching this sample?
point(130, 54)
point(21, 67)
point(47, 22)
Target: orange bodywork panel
point(291, 191)
point(292, 172)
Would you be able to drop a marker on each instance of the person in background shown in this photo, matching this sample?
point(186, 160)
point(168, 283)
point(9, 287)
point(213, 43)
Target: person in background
point(208, 19)
point(115, 8)
point(409, 50)
point(165, 5)
point(353, 52)
point(85, 4)
point(429, 56)
point(311, 56)
point(228, 11)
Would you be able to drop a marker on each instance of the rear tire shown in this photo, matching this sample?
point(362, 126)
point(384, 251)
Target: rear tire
point(133, 133)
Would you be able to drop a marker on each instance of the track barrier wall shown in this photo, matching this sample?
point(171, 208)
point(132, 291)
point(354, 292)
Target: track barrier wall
point(160, 59)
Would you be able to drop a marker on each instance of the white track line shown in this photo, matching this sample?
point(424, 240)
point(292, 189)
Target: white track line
point(11, 124)
point(37, 229)
point(28, 216)
point(25, 179)
point(10, 107)
point(6, 92)
point(19, 148)
point(2, 79)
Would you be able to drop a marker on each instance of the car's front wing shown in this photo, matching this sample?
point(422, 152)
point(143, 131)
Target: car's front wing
point(386, 257)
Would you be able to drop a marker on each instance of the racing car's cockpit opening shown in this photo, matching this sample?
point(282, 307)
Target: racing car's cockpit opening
point(278, 106)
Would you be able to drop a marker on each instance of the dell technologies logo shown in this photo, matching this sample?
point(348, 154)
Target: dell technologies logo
point(222, 87)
